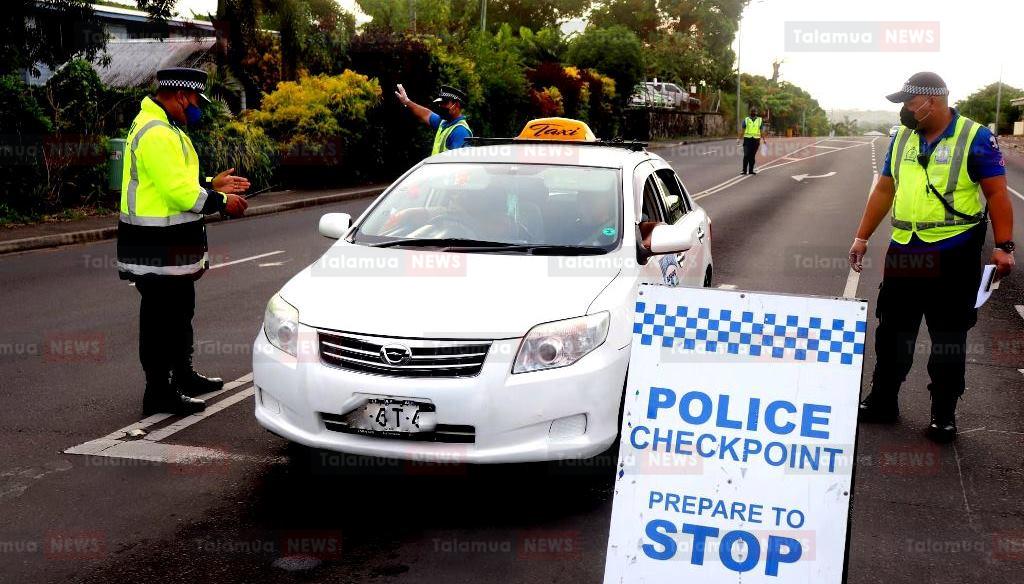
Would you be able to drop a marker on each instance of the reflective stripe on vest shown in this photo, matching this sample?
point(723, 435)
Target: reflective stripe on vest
point(441, 136)
point(144, 270)
point(916, 209)
point(752, 128)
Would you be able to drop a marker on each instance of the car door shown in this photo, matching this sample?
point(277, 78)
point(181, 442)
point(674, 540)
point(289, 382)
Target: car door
point(660, 268)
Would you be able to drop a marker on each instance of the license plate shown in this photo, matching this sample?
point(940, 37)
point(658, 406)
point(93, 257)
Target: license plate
point(392, 416)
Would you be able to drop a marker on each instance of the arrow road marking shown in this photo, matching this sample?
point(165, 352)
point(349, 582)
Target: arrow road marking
point(801, 177)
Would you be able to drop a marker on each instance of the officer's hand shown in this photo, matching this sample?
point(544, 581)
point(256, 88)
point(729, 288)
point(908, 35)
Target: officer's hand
point(227, 182)
point(857, 251)
point(1003, 261)
point(236, 206)
point(401, 95)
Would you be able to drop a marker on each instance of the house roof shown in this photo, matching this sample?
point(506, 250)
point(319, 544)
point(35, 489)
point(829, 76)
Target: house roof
point(134, 62)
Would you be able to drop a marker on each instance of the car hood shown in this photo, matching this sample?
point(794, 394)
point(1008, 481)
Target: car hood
point(431, 294)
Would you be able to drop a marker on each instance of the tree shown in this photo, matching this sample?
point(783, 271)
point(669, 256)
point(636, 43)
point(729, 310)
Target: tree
point(980, 106)
point(640, 16)
point(614, 51)
point(48, 32)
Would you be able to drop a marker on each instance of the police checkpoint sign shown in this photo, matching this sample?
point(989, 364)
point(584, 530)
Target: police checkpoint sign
point(737, 451)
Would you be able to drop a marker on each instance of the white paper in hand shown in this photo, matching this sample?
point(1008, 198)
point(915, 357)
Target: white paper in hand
point(988, 284)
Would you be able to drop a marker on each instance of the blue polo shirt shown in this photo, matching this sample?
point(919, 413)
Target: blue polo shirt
point(457, 139)
point(984, 160)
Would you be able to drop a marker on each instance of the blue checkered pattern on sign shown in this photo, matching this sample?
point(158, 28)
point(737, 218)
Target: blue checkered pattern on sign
point(778, 336)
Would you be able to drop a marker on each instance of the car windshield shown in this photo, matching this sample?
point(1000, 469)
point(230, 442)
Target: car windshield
point(528, 206)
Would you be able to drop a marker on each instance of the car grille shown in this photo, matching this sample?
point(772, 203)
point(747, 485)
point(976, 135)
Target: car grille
point(425, 358)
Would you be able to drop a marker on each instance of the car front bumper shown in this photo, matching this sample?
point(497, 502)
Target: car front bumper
point(558, 414)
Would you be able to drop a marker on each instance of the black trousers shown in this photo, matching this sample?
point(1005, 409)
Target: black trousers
point(165, 323)
point(750, 146)
point(939, 285)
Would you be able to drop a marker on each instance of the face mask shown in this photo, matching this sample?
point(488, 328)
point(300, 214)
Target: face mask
point(192, 115)
point(442, 111)
point(908, 119)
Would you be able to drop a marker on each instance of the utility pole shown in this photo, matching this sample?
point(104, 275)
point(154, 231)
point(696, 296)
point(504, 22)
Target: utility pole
point(999, 98)
point(483, 15)
point(739, 52)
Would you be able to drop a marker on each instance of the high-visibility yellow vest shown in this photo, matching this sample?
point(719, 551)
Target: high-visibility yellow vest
point(752, 127)
point(918, 210)
point(441, 136)
point(161, 229)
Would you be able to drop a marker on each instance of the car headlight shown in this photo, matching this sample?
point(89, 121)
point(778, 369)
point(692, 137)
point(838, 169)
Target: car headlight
point(281, 325)
point(561, 343)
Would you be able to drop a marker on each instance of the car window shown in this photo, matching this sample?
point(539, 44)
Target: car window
point(672, 194)
point(534, 204)
point(652, 210)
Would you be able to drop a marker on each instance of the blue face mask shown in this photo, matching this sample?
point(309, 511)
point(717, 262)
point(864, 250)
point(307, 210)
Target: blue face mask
point(193, 114)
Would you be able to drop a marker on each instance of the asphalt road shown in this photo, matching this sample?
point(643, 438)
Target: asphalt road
point(69, 375)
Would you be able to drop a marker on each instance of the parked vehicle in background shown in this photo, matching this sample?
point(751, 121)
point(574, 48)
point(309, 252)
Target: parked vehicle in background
point(661, 94)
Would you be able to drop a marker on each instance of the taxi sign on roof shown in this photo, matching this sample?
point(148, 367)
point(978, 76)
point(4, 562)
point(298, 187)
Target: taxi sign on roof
point(560, 129)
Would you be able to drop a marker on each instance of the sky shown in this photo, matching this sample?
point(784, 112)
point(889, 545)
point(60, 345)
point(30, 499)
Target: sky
point(969, 43)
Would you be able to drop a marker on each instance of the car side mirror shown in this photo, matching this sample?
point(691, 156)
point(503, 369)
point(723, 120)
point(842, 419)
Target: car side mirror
point(675, 238)
point(334, 225)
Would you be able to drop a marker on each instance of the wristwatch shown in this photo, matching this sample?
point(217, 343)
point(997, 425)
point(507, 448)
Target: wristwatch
point(1007, 246)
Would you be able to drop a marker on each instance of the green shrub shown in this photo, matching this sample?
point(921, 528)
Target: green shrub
point(223, 142)
point(317, 123)
point(25, 126)
point(614, 51)
point(505, 103)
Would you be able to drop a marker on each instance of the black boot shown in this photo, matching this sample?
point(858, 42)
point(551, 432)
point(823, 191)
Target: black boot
point(190, 383)
point(161, 398)
point(942, 429)
point(879, 408)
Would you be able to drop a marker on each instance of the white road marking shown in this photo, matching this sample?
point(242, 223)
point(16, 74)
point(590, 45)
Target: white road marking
point(727, 286)
point(1020, 310)
point(147, 422)
point(118, 445)
point(270, 264)
point(248, 259)
point(801, 177)
point(187, 421)
point(771, 166)
point(1015, 192)
point(832, 147)
point(847, 141)
point(967, 505)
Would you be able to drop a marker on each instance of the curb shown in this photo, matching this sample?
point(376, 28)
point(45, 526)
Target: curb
point(697, 140)
point(91, 235)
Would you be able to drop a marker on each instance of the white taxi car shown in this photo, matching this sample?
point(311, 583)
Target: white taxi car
point(481, 309)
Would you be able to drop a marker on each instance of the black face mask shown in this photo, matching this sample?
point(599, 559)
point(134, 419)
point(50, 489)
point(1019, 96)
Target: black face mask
point(442, 111)
point(907, 118)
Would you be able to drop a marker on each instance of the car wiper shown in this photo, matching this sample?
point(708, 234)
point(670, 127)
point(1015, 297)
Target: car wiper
point(445, 242)
point(537, 249)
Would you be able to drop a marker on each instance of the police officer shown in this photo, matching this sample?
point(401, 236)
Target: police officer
point(943, 177)
point(161, 236)
point(449, 125)
point(751, 140)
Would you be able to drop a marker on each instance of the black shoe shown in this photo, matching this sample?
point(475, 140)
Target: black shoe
point(191, 384)
point(942, 428)
point(876, 409)
point(171, 403)
point(752, 172)
point(744, 172)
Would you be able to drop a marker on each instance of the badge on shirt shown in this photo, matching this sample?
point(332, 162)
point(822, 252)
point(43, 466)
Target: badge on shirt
point(942, 154)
